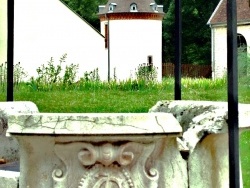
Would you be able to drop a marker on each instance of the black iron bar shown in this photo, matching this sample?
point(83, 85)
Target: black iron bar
point(108, 50)
point(10, 50)
point(178, 47)
point(233, 114)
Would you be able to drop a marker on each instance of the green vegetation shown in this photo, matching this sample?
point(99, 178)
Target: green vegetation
point(131, 96)
point(125, 97)
point(55, 90)
point(245, 157)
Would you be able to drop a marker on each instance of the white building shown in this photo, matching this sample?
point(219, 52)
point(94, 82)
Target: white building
point(135, 35)
point(218, 26)
point(48, 28)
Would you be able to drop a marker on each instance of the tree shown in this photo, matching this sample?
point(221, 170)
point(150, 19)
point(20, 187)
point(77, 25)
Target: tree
point(196, 39)
point(87, 9)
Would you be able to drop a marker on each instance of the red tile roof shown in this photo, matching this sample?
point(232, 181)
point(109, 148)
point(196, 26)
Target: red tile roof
point(219, 15)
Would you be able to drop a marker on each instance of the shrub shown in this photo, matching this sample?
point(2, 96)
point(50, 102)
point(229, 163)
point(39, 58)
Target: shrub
point(146, 72)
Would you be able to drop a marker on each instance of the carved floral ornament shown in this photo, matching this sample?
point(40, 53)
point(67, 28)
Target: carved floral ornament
point(105, 154)
point(109, 165)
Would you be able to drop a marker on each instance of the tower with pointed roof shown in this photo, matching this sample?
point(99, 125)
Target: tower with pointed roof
point(133, 35)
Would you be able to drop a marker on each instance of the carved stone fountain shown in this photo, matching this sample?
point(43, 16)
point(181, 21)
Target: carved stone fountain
point(99, 150)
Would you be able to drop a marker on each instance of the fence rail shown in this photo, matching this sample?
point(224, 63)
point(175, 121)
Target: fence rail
point(188, 70)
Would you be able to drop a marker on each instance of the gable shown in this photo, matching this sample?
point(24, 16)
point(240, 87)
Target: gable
point(219, 15)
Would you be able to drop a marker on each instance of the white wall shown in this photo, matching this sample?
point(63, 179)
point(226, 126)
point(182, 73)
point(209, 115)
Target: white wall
point(131, 42)
point(3, 31)
point(47, 28)
point(219, 48)
point(219, 51)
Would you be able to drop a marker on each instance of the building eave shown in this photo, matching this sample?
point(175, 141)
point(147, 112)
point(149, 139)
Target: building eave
point(132, 15)
point(223, 24)
point(214, 12)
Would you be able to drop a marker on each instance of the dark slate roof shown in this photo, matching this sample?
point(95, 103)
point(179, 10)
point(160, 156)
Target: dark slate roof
point(219, 15)
point(124, 6)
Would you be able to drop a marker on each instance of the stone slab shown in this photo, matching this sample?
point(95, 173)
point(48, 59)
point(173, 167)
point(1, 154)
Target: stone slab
point(200, 118)
point(94, 124)
point(200, 112)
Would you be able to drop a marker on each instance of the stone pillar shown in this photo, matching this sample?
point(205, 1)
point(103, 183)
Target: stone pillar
point(99, 150)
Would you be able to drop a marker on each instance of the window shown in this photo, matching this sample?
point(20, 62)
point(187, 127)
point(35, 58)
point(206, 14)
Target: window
point(241, 41)
point(150, 62)
point(133, 7)
point(154, 7)
point(106, 36)
point(112, 7)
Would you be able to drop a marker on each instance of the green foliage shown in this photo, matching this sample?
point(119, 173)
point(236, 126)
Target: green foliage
point(146, 72)
point(245, 157)
point(243, 66)
point(87, 9)
point(18, 75)
point(49, 76)
point(92, 76)
point(196, 35)
point(70, 74)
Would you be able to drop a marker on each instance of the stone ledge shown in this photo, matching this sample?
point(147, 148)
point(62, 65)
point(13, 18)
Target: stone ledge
point(92, 124)
point(187, 111)
point(200, 118)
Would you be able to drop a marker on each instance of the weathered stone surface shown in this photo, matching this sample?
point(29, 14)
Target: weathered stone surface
point(99, 150)
point(200, 118)
point(9, 179)
point(208, 164)
point(205, 134)
point(89, 123)
point(8, 145)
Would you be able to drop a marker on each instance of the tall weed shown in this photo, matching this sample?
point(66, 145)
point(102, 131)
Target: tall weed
point(50, 76)
point(146, 72)
point(18, 75)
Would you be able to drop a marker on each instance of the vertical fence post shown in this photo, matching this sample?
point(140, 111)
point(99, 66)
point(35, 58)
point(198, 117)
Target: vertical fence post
point(178, 46)
point(232, 71)
point(10, 50)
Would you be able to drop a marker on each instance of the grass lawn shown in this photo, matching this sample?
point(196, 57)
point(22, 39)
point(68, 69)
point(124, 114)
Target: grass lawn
point(117, 99)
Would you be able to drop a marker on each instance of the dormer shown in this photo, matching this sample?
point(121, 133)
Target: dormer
point(133, 7)
point(101, 8)
point(154, 7)
point(112, 7)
